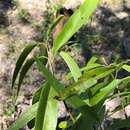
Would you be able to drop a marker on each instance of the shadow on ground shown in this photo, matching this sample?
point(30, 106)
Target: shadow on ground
point(5, 5)
point(108, 33)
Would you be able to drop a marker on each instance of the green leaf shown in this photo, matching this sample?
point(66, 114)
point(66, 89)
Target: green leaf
point(63, 125)
point(75, 70)
point(80, 17)
point(104, 92)
point(75, 102)
point(23, 72)
point(52, 109)
point(99, 72)
point(120, 95)
point(97, 87)
point(36, 96)
point(96, 70)
point(92, 66)
point(77, 88)
point(126, 67)
point(47, 106)
point(120, 123)
point(127, 79)
point(35, 99)
point(85, 69)
point(42, 107)
point(43, 52)
point(21, 60)
point(92, 61)
point(49, 77)
point(27, 116)
point(105, 74)
point(25, 69)
point(59, 88)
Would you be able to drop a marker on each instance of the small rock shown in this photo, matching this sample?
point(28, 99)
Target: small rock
point(127, 110)
point(62, 110)
point(122, 15)
point(68, 4)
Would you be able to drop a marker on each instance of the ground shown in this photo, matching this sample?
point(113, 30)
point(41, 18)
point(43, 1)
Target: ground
point(24, 21)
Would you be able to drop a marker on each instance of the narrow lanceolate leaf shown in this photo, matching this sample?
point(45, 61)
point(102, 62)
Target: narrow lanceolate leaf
point(80, 17)
point(59, 88)
point(104, 92)
point(86, 68)
point(97, 87)
point(78, 88)
point(35, 99)
point(75, 70)
point(23, 72)
point(49, 77)
point(99, 72)
point(42, 107)
point(36, 95)
point(54, 25)
point(51, 114)
point(126, 67)
point(46, 118)
point(27, 116)
point(25, 69)
point(92, 61)
point(96, 70)
point(92, 66)
point(75, 102)
point(21, 60)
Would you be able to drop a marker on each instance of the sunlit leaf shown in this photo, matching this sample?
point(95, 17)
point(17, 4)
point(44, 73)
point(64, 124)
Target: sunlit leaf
point(80, 17)
point(47, 106)
point(75, 102)
point(42, 107)
point(77, 88)
point(24, 118)
point(99, 72)
point(59, 88)
point(92, 61)
point(92, 66)
point(49, 77)
point(126, 67)
point(97, 87)
point(63, 125)
point(52, 109)
point(104, 92)
point(75, 70)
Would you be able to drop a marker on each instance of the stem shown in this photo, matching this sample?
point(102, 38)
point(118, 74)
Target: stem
point(72, 118)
